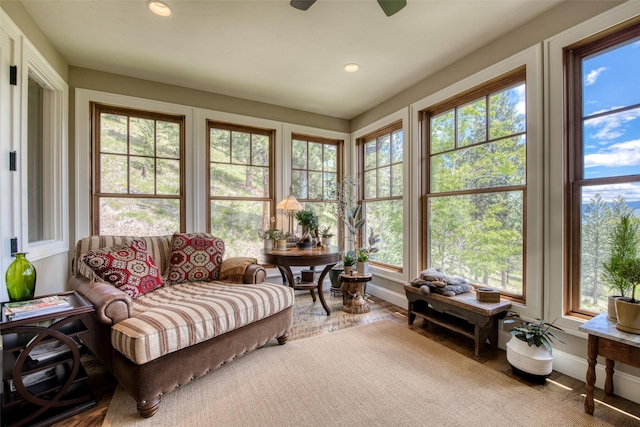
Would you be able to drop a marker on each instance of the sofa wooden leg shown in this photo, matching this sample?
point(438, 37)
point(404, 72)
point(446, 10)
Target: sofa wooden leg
point(149, 408)
point(283, 339)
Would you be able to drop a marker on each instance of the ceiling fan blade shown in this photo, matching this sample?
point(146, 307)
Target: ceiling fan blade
point(302, 4)
point(391, 7)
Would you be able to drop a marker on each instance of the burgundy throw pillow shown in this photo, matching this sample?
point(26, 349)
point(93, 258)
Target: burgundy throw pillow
point(195, 257)
point(128, 267)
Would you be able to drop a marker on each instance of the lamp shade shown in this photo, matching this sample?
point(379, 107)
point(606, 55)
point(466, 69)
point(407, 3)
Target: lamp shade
point(289, 204)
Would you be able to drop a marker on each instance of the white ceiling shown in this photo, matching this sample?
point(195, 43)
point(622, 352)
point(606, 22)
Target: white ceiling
point(265, 50)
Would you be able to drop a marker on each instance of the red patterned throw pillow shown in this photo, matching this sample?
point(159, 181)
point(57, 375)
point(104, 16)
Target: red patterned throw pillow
point(195, 257)
point(128, 267)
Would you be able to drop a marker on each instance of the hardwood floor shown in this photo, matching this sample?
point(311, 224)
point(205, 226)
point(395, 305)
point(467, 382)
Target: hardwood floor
point(310, 319)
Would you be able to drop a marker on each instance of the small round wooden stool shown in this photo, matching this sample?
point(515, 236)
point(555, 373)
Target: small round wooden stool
point(352, 289)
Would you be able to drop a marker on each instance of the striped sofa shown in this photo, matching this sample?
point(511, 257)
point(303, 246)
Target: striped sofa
point(175, 333)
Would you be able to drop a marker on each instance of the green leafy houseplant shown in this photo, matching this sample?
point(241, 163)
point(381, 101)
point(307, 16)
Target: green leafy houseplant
point(326, 233)
point(534, 333)
point(271, 234)
point(307, 219)
point(348, 260)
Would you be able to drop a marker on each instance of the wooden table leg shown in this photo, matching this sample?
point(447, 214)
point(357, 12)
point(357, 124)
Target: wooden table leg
point(321, 283)
point(592, 354)
point(608, 382)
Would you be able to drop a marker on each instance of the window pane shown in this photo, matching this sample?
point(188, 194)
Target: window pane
point(384, 150)
point(370, 184)
point(139, 217)
point(385, 217)
point(113, 133)
point(315, 156)
point(141, 175)
point(602, 207)
point(611, 145)
point(238, 223)
point(443, 132)
point(35, 147)
point(396, 180)
point(315, 185)
point(479, 237)
point(220, 145)
point(240, 148)
point(330, 182)
point(299, 183)
point(259, 181)
point(113, 174)
point(507, 112)
point(168, 140)
point(168, 175)
point(298, 154)
point(610, 79)
point(396, 147)
point(472, 123)
point(370, 155)
point(384, 182)
point(330, 158)
point(142, 136)
point(494, 164)
point(260, 150)
point(232, 180)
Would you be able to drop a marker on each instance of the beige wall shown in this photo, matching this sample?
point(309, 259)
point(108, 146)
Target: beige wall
point(22, 19)
point(550, 23)
point(114, 83)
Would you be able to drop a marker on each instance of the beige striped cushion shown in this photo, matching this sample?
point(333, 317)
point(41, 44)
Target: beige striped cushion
point(178, 316)
point(159, 247)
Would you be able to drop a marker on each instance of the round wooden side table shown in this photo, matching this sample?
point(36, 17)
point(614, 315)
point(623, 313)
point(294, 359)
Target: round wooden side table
point(352, 289)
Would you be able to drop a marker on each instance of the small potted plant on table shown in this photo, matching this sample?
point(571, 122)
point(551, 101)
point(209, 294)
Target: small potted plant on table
point(308, 220)
point(348, 261)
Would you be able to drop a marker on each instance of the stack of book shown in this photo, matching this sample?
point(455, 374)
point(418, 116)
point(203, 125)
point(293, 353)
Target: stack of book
point(36, 307)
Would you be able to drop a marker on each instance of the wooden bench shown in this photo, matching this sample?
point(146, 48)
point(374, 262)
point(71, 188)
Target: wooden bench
point(461, 313)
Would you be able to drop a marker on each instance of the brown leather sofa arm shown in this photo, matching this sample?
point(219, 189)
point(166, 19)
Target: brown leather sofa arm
point(255, 273)
point(242, 270)
point(111, 304)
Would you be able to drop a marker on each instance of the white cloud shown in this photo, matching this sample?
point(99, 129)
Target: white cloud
point(609, 193)
point(593, 76)
point(610, 127)
point(616, 155)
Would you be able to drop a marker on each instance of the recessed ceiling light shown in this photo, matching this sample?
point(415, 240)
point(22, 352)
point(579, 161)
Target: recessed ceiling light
point(351, 68)
point(160, 8)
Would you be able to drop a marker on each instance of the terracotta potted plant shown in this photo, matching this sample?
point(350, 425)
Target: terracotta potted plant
point(624, 246)
point(529, 351)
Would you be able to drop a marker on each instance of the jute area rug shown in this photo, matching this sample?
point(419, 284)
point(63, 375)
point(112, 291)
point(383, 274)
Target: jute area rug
point(378, 374)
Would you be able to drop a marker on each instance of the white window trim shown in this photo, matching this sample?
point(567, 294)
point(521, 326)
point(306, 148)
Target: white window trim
point(55, 155)
point(532, 59)
point(409, 196)
point(84, 98)
point(556, 158)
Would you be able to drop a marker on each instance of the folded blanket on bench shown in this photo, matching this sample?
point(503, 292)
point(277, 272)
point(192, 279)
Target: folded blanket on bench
point(434, 281)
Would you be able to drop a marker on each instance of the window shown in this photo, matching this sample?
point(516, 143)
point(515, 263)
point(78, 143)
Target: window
point(604, 159)
point(138, 169)
point(476, 184)
point(240, 185)
point(316, 168)
point(38, 229)
point(381, 163)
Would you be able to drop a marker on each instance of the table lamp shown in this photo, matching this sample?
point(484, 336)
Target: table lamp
point(290, 205)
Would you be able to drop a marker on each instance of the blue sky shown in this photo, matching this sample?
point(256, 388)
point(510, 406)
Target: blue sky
point(611, 81)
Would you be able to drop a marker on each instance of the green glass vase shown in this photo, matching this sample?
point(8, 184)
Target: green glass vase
point(21, 279)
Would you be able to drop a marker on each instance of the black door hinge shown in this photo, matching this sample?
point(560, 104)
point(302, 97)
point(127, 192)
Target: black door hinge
point(14, 245)
point(13, 163)
point(13, 75)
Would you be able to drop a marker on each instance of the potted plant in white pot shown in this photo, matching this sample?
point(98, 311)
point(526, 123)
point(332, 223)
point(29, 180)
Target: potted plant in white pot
point(529, 351)
point(326, 234)
point(624, 246)
point(363, 254)
point(628, 308)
